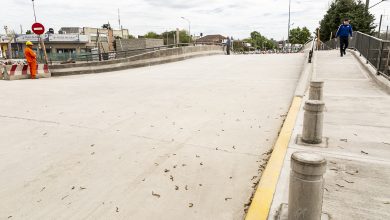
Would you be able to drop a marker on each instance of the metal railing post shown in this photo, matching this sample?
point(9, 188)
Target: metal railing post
point(368, 50)
point(379, 62)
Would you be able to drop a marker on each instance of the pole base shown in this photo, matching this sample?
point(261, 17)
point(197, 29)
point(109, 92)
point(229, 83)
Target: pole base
point(282, 213)
point(323, 144)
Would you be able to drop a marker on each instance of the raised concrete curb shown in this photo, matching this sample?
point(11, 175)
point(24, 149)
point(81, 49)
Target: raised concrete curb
point(382, 82)
point(306, 76)
point(147, 59)
point(262, 201)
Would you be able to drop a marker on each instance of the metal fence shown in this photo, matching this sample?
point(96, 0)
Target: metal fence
point(374, 50)
point(101, 56)
point(129, 53)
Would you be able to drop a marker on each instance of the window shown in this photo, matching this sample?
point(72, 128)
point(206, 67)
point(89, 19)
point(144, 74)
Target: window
point(68, 50)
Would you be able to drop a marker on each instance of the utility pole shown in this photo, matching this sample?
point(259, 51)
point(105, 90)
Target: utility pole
point(40, 40)
point(97, 43)
point(119, 21)
point(177, 36)
point(167, 37)
point(380, 26)
point(387, 32)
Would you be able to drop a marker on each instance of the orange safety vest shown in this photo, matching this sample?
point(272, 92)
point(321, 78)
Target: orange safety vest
point(30, 55)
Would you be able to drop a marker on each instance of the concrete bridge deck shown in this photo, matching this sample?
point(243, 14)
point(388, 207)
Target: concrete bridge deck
point(183, 140)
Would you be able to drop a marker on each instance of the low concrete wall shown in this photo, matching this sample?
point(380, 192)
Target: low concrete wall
point(140, 43)
point(150, 58)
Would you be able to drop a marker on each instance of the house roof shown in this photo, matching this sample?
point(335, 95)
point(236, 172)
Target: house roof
point(211, 38)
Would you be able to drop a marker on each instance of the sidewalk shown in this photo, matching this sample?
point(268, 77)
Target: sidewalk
point(357, 125)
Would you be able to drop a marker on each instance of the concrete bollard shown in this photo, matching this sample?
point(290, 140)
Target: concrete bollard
point(306, 186)
point(312, 122)
point(316, 90)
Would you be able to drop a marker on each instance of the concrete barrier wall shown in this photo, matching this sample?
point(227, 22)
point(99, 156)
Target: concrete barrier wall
point(150, 58)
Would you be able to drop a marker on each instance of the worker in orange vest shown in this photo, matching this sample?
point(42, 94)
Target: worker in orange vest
point(31, 58)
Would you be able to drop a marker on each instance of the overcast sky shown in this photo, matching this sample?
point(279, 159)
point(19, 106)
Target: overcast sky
point(235, 18)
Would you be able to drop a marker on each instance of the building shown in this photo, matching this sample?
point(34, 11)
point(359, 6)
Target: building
point(54, 43)
point(211, 39)
point(102, 37)
point(5, 46)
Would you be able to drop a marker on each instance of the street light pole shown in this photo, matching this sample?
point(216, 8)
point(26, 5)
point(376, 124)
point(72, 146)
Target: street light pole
point(189, 27)
point(289, 23)
point(289, 20)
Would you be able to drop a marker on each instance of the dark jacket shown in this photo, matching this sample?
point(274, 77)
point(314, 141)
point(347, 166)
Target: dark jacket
point(344, 31)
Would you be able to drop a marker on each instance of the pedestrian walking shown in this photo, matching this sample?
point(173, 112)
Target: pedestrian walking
point(31, 58)
point(344, 32)
point(228, 45)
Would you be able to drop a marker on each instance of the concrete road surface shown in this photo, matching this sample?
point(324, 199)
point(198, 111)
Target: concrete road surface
point(183, 140)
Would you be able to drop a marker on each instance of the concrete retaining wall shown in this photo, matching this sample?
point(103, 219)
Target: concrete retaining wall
point(134, 44)
point(150, 58)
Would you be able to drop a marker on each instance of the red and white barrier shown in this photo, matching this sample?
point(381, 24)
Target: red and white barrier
point(14, 72)
point(2, 69)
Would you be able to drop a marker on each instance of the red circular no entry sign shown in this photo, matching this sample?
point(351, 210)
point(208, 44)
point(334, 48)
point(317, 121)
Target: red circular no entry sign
point(38, 28)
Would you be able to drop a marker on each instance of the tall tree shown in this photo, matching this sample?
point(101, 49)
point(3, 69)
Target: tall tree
point(260, 42)
point(361, 19)
point(299, 36)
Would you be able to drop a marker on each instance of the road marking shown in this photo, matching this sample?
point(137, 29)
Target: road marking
point(261, 203)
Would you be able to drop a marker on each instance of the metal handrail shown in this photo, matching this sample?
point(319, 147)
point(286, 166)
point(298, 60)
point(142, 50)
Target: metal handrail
point(374, 50)
point(311, 52)
point(133, 52)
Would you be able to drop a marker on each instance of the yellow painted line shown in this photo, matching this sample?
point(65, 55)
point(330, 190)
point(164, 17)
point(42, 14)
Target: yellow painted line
point(261, 203)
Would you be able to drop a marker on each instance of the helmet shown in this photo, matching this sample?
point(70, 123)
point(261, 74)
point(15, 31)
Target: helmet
point(29, 43)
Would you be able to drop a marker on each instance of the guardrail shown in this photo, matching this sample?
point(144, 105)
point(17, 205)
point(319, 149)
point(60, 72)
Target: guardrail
point(89, 57)
point(375, 50)
point(309, 45)
point(311, 52)
point(129, 53)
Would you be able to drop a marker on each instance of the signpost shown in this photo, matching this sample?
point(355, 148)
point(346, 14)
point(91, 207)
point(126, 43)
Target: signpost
point(39, 29)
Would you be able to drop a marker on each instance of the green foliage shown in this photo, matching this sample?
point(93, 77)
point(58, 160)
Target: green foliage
point(184, 37)
point(170, 36)
point(239, 46)
point(107, 26)
point(130, 37)
point(28, 32)
point(361, 19)
point(260, 42)
point(152, 35)
point(299, 36)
